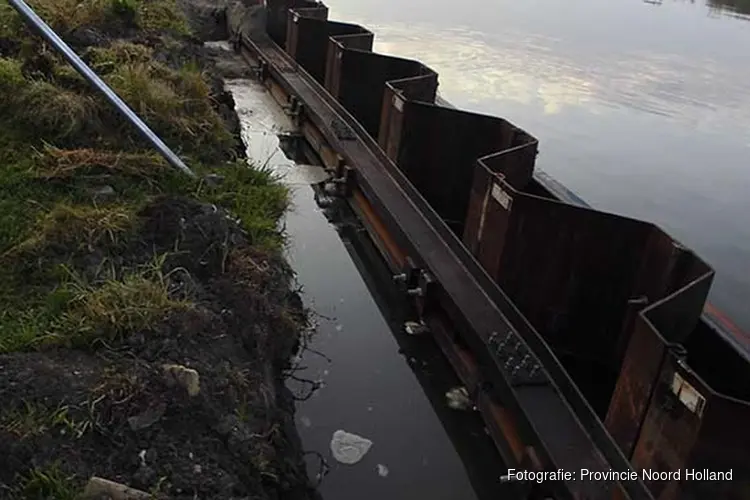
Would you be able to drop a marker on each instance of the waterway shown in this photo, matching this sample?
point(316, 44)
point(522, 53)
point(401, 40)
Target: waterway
point(641, 107)
point(375, 380)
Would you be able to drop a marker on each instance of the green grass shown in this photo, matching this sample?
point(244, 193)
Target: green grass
point(118, 306)
point(45, 483)
point(34, 419)
point(67, 15)
point(59, 141)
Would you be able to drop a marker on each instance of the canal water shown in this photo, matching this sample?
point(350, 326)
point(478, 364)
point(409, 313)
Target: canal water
point(641, 107)
point(375, 380)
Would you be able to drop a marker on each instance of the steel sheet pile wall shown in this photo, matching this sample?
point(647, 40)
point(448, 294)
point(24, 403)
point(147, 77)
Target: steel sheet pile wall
point(617, 299)
point(624, 296)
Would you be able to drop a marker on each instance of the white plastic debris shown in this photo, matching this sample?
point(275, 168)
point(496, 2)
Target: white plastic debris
point(458, 399)
point(382, 470)
point(349, 448)
point(416, 328)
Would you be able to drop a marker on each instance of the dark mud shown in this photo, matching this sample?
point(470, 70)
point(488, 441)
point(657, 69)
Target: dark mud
point(125, 421)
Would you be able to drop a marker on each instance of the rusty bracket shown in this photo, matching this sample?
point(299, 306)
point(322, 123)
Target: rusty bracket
point(409, 276)
point(342, 182)
point(261, 71)
point(424, 293)
point(296, 110)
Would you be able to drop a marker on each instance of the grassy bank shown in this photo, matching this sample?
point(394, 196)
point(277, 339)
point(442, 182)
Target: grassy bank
point(113, 266)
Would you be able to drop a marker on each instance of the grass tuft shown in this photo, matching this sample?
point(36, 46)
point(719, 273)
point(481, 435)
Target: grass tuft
point(106, 59)
point(65, 16)
point(80, 227)
point(35, 420)
point(67, 164)
point(254, 196)
point(47, 483)
point(112, 310)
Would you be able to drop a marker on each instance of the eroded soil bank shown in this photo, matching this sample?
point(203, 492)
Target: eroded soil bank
point(146, 319)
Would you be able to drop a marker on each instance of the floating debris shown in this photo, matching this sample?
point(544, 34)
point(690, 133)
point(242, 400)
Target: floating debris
point(458, 399)
point(349, 448)
point(416, 328)
point(382, 470)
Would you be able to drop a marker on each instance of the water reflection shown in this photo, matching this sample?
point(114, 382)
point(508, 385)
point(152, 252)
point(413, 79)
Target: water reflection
point(639, 108)
point(528, 69)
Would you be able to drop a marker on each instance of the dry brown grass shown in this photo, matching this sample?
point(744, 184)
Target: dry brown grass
point(66, 164)
point(78, 227)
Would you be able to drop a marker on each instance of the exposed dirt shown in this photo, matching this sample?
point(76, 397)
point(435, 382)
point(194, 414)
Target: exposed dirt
point(235, 439)
point(193, 404)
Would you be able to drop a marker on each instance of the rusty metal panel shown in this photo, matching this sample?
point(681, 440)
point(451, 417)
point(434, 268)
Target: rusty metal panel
point(692, 414)
point(277, 16)
point(359, 78)
point(336, 47)
point(670, 430)
point(308, 37)
point(437, 150)
point(638, 375)
point(422, 88)
point(568, 269)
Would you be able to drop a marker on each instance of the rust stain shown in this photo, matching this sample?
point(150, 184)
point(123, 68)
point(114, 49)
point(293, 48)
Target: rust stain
point(382, 232)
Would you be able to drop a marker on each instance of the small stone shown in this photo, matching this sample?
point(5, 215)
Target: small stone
point(185, 377)
point(382, 470)
point(103, 488)
point(197, 469)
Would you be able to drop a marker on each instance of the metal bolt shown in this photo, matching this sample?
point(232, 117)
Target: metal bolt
point(415, 292)
point(400, 278)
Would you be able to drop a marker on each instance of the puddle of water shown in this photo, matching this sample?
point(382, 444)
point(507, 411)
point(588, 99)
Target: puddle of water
point(378, 382)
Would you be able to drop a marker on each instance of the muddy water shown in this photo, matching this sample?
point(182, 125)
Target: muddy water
point(641, 107)
point(377, 382)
